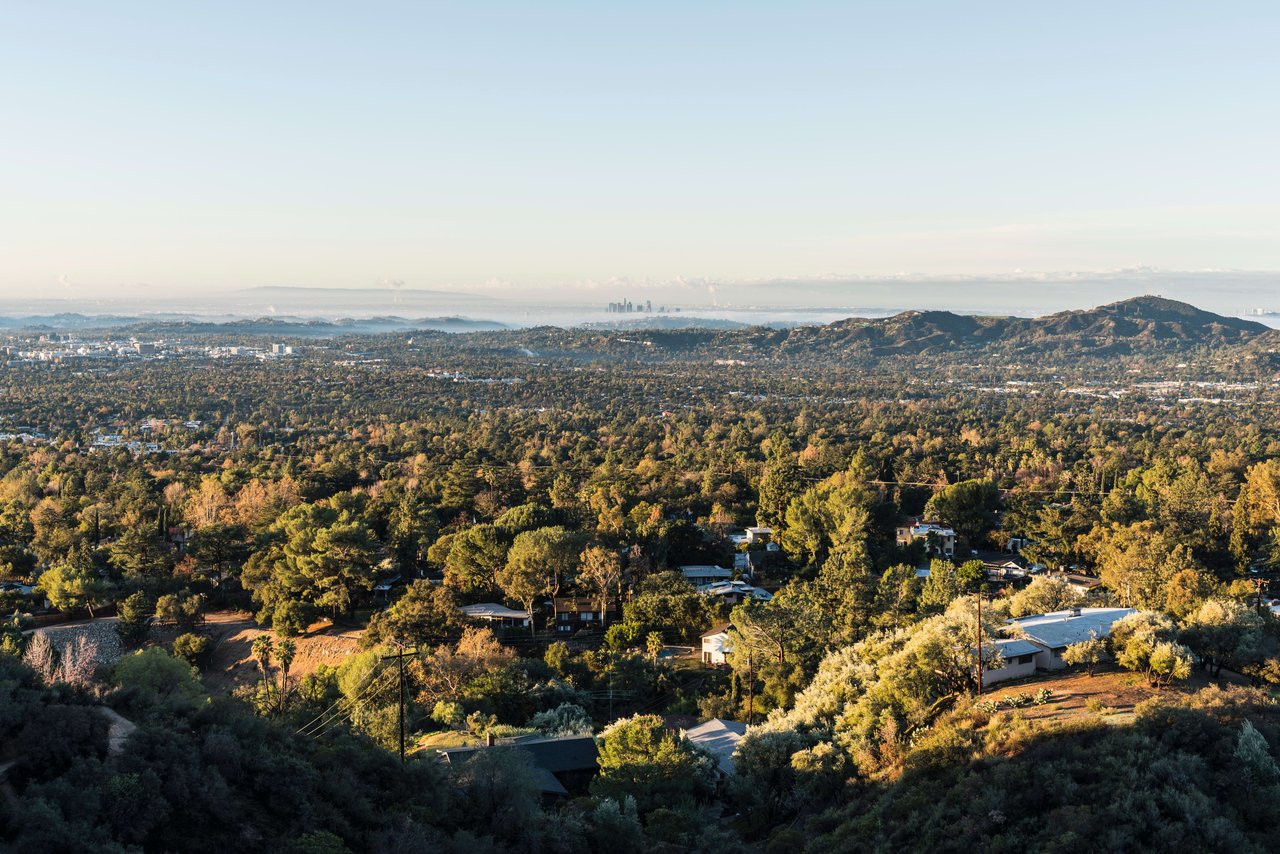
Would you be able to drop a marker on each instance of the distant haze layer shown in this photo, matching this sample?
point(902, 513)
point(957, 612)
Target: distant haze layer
point(773, 302)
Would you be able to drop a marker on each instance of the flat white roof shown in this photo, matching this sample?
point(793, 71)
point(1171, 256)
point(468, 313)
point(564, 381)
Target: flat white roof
point(1013, 647)
point(1059, 629)
point(493, 611)
point(720, 738)
point(707, 571)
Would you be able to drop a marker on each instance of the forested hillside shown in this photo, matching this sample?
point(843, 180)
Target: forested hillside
point(233, 548)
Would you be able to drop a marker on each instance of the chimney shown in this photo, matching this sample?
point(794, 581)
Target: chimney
point(1075, 612)
point(489, 740)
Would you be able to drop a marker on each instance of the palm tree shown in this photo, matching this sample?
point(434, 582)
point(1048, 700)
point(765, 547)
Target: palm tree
point(262, 649)
point(285, 651)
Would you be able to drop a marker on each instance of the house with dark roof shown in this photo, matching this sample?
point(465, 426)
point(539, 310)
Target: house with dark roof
point(702, 574)
point(583, 612)
point(564, 765)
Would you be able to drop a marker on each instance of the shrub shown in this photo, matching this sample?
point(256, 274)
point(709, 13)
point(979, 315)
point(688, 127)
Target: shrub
point(135, 618)
point(1018, 701)
point(192, 648)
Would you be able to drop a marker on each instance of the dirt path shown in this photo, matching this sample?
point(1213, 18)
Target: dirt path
point(121, 729)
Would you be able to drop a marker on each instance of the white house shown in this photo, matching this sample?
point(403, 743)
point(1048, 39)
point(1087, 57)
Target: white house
point(759, 535)
point(716, 645)
point(497, 615)
point(700, 575)
point(1052, 633)
point(937, 538)
point(1009, 570)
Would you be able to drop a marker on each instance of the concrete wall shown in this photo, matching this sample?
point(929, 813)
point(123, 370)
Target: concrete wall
point(1011, 670)
point(1047, 660)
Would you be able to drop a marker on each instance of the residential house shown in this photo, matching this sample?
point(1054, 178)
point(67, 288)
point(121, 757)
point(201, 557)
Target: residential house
point(735, 592)
point(1019, 661)
point(1083, 585)
point(759, 535)
point(1006, 572)
point(382, 590)
point(497, 616)
point(716, 645)
point(563, 765)
point(719, 738)
point(699, 575)
point(937, 539)
point(1052, 633)
point(581, 612)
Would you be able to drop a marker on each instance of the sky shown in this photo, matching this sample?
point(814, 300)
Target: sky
point(183, 149)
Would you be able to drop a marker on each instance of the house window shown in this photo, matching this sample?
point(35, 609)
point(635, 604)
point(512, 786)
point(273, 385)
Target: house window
point(1025, 659)
point(565, 616)
point(586, 616)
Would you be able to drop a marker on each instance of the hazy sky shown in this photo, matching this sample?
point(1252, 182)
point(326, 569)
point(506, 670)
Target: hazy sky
point(178, 147)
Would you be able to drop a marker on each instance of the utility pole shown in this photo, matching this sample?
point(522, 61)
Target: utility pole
point(400, 657)
point(979, 642)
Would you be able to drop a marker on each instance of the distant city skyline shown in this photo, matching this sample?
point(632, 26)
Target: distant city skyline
point(174, 152)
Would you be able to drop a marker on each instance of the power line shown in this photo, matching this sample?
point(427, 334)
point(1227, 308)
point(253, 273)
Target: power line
point(368, 676)
point(345, 716)
point(368, 685)
point(399, 658)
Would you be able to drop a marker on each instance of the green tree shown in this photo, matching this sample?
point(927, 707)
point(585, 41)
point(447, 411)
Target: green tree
point(159, 679)
point(192, 648)
point(475, 556)
point(941, 587)
point(427, 613)
point(136, 611)
point(600, 574)
point(70, 587)
point(1253, 757)
point(319, 556)
point(549, 554)
point(1043, 596)
point(139, 554)
point(640, 758)
point(286, 651)
point(179, 609)
point(1143, 641)
point(969, 507)
point(262, 649)
point(1087, 653)
point(523, 581)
